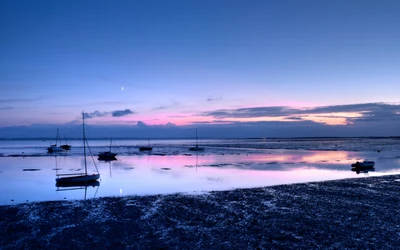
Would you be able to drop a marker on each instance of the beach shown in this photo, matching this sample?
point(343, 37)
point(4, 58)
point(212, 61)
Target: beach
point(360, 213)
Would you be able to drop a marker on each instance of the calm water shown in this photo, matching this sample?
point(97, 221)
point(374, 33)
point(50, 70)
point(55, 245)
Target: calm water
point(171, 168)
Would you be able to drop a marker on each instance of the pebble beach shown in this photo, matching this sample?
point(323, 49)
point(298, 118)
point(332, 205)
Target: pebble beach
point(359, 213)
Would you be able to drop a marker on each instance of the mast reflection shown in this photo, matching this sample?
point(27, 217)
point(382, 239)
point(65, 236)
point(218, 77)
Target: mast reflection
point(78, 186)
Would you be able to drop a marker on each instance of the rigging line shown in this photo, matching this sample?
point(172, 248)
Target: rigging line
point(115, 146)
point(91, 155)
point(97, 189)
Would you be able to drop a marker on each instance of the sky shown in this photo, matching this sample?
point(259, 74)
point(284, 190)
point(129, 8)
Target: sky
point(226, 68)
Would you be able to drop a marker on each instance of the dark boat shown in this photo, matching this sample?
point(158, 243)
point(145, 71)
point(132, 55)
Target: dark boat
point(146, 148)
point(76, 179)
point(65, 146)
point(53, 147)
point(364, 164)
point(196, 148)
point(69, 179)
point(107, 155)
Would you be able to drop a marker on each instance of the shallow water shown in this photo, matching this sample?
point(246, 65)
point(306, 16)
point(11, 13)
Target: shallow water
point(213, 146)
point(33, 178)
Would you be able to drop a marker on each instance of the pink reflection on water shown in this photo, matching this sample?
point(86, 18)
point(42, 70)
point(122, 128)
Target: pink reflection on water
point(139, 175)
point(188, 173)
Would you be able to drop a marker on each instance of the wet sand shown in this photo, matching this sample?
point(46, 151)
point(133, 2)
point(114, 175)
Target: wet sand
point(362, 213)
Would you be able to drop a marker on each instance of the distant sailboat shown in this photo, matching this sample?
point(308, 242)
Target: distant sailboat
point(146, 148)
point(196, 148)
point(107, 155)
point(53, 147)
point(79, 178)
point(65, 146)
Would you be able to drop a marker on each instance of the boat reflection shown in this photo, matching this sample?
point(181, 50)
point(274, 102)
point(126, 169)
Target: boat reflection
point(78, 186)
point(362, 170)
point(107, 159)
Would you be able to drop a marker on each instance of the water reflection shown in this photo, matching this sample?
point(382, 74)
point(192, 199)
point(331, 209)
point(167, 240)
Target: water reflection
point(362, 170)
point(78, 186)
point(155, 174)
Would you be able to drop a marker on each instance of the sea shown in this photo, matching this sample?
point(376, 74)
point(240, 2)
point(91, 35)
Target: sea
point(28, 172)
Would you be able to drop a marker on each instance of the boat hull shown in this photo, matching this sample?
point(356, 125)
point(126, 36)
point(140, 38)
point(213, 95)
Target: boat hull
point(65, 147)
point(196, 149)
point(77, 179)
point(363, 165)
point(54, 149)
point(106, 155)
point(146, 148)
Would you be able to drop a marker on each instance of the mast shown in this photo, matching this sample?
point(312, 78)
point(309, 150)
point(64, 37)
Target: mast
point(197, 140)
point(57, 138)
point(84, 140)
point(110, 144)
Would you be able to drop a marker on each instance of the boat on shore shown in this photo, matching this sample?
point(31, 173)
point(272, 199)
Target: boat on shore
point(79, 178)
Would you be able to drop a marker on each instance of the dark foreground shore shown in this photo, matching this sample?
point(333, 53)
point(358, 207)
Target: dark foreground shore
point(361, 213)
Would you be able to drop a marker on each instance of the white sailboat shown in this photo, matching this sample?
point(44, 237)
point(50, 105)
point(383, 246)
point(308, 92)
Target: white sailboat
point(65, 179)
point(196, 148)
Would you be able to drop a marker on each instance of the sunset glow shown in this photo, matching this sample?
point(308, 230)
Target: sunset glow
point(248, 74)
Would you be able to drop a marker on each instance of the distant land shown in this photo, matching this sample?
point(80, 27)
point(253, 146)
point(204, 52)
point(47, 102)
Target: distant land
point(205, 131)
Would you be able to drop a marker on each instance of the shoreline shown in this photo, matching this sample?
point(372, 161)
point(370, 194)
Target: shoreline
point(348, 213)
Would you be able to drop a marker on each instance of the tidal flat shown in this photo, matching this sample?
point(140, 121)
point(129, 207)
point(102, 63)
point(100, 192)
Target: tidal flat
point(358, 213)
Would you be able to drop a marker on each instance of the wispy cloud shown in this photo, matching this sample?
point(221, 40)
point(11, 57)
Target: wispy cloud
point(347, 113)
point(213, 99)
point(116, 113)
point(171, 105)
point(21, 100)
point(119, 113)
point(160, 108)
point(95, 114)
point(90, 104)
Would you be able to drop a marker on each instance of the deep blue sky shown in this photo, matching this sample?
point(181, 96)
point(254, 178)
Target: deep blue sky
point(185, 62)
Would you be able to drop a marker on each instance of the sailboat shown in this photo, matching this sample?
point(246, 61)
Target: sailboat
point(196, 148)
point(79, 178)
point(65, 146)
point(107, 155)
point(53, 147)
point(146, 148)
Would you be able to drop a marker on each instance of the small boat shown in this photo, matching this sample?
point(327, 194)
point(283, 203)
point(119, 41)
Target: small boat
point(54, 148)
point(79, 178)
point(65, 146)
point(107, 155)
point(196, 148)
point(146, 148)
point(364, 164)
